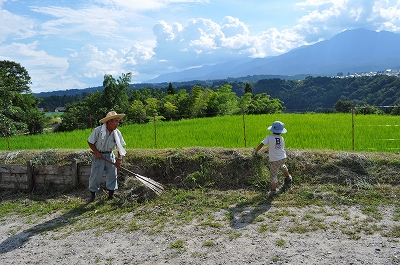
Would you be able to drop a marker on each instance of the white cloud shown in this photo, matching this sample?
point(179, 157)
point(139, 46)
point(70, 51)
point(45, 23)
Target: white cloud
point(389, 15)
point(203, 41)
point(274, 42)
point(233, 26)
point(46, 72)
point(92, 63)
point(327, 18)
point(14, 26)
point(91, 20)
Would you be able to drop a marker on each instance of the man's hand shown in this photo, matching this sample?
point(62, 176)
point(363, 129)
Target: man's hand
point(255, 152)
point(118, 162)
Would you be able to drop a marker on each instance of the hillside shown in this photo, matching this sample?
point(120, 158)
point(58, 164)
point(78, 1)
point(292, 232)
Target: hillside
point(319, 93)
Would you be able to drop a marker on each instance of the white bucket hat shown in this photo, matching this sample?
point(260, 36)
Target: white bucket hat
point(277, 127)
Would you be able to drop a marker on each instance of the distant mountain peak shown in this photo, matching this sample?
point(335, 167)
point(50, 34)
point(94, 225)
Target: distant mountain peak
point(354, 50)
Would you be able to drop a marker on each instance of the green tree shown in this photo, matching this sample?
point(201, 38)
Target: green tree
point(76, 117)
point(170, 90)
point(87, 113)
point(152, 107)
point(198, 100)
point(227, 101)
point(264, 104)
point(115, 94)
point(367, 109)
point(395, 110)
point(343, 106)
point(212, 105)
point(95, 109)
point(183, 103)
point(18, 105)
point(170, 110)
point(248, 89)
point(145, 94)
point(137, 112)
point(83, 114)
point(134, 95)
point(245, 101)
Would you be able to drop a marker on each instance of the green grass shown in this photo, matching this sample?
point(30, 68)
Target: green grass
point(280, 242)
point(377, 133)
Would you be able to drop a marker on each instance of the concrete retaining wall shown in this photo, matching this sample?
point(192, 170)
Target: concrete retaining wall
point(43, 177)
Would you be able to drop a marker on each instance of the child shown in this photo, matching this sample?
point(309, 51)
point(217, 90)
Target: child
point(277, 154)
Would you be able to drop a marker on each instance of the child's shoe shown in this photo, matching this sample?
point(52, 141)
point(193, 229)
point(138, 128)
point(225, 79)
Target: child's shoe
point(288, 180)
point(273, 192)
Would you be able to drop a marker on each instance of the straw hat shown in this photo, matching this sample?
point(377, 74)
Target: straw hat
point(277, 127)
point(112, 115)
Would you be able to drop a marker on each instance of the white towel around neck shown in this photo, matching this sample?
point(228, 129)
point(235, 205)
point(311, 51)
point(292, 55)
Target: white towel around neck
point(121, 149)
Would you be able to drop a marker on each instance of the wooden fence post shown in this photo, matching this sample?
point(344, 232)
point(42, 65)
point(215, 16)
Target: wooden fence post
point(244, 128)
point(155, 132)
point(6, 134)
point(74, 173)
point(352, 127)
point(168, 165)
point(29, 174)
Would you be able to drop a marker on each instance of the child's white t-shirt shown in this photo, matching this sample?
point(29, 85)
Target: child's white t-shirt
point(276, 146)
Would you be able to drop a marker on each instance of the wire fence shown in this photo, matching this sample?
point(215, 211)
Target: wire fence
point(381, 137)
point(376, 136)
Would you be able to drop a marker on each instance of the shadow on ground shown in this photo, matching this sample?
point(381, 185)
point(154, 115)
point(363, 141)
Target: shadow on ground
point(19, 240)
point(244, 214)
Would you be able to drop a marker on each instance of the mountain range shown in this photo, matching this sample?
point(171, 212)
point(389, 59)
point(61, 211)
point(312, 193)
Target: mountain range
point(351, 51)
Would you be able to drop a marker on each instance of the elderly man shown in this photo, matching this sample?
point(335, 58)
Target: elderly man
point(102, 141)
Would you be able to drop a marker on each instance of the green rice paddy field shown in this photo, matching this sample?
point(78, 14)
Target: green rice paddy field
point(372, 133)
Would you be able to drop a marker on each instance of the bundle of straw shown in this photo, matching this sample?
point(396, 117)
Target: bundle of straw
point(148, 182)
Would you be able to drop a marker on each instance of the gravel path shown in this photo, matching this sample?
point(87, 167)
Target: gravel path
point(265, 235)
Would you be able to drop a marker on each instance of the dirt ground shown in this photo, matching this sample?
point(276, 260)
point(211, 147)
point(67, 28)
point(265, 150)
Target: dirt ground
point(268, 234)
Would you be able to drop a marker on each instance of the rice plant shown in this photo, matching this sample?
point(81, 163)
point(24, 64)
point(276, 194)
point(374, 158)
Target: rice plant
point(375, 133)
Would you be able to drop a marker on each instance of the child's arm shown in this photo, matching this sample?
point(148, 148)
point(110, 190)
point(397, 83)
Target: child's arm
point(259, 147)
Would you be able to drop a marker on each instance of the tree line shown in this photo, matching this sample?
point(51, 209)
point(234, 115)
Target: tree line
point(141, 106)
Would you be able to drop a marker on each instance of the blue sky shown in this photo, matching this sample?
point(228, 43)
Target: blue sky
point(68, 44)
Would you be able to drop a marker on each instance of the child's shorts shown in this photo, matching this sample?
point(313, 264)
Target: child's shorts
point(275, 167)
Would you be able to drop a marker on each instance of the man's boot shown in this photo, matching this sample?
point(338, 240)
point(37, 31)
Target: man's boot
point(92, 197)
point(110, 194)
